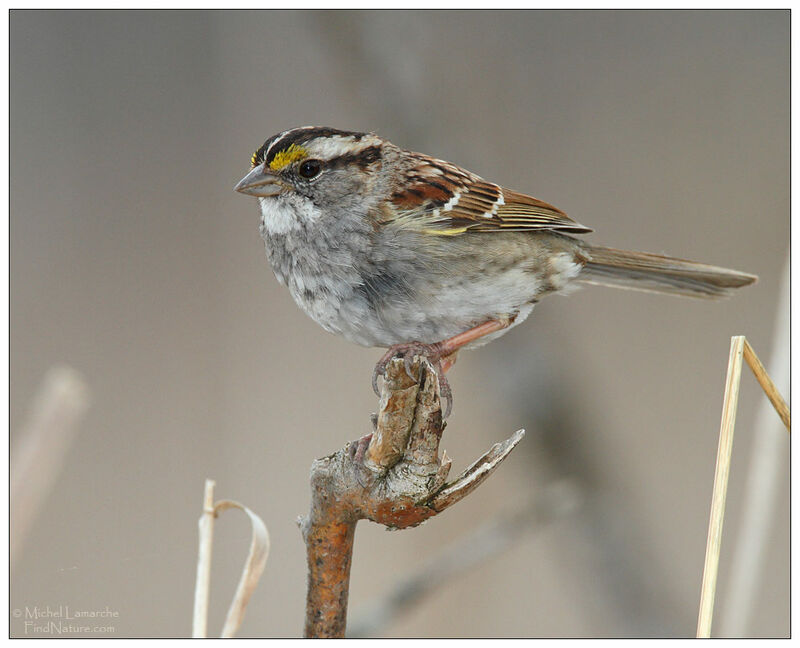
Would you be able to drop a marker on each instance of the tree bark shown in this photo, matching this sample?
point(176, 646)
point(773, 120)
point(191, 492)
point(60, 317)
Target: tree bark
point(393, 476)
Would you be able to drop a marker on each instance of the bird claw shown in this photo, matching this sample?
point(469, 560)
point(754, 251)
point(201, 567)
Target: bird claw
point(358, 452)
point(378, 371)
point(358, 448)
point(408, 351)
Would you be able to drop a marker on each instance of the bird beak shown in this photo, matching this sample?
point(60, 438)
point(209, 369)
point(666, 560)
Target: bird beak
point(259, 183)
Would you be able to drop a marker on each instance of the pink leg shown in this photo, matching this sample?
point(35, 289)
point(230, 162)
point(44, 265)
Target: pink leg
point(453, 344)
point(441, 354)
point(448, 361)
point(359, 448)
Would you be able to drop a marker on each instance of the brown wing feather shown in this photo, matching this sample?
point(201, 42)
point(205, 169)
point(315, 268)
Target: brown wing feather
point(448, 200)
point(521, 211)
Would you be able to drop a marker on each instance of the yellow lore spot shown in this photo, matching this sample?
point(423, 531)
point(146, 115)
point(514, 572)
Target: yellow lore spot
point(287, 156)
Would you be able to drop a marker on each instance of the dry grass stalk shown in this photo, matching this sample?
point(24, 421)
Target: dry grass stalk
point(767, 469)
point(721, 474)
point(767, 385)
point(202, 587)
point(740, 349)
point(251, 573)
point(42, 445)
point(253, 567)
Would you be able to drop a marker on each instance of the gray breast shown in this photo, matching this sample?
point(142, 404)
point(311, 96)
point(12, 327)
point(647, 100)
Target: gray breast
point(329, 283)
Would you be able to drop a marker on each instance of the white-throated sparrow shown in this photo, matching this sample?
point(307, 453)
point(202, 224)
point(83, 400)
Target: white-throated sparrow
point(396, 249)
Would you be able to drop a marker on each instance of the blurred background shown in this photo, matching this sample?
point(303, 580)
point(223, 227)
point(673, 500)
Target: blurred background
point(135, 263)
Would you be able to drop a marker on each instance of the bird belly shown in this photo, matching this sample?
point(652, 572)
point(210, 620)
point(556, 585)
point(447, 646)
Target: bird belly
point(430, 314)
point(443, 308)
point(417, 297)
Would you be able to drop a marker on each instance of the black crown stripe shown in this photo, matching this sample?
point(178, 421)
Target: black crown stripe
point(298, 136)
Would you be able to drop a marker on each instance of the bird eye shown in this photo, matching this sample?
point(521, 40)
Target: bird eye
point(310, 168)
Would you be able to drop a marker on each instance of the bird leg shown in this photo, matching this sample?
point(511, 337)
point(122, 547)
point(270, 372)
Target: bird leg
point(447, 362)
point(442, 355)
point(358, 448)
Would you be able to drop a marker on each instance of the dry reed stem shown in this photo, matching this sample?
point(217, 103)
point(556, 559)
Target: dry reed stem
point(203, 581)
point(740, 349)
point(41, 447)
point(251, 573)
point(767, 385)
point(768, 462)
point(253, 567)
point(721, 474)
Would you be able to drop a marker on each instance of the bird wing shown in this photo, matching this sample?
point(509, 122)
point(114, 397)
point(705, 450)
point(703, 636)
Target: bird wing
point(444, 199)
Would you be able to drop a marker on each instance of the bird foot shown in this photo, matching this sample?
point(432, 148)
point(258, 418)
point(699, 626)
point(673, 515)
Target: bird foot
point(358, 449)
point(407, 351)
point(358, 452)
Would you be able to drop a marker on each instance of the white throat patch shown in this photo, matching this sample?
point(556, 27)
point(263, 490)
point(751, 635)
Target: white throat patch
point(279, 217)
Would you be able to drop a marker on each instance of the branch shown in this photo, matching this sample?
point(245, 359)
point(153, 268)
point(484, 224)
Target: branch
point(393, 477)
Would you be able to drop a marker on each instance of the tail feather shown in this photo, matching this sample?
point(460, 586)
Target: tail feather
point(657, 273)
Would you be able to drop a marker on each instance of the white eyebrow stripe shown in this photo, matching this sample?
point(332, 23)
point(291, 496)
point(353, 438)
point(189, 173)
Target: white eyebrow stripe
point(332, 147)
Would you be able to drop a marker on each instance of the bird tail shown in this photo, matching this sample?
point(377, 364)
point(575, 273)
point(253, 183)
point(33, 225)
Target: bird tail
point(657, 273)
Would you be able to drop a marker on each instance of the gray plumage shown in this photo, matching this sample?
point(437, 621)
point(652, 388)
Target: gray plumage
point(385, 246)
